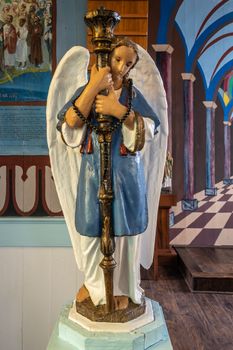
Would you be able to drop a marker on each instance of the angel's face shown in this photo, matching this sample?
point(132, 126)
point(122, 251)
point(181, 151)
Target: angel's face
point(122, 60)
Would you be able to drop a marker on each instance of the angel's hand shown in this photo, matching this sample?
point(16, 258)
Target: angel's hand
point(100, 78)
point(109, 105)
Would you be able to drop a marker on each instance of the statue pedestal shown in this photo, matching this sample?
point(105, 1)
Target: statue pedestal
point(70, 335)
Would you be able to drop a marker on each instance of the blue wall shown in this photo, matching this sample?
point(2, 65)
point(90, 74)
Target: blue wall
point(71, 29)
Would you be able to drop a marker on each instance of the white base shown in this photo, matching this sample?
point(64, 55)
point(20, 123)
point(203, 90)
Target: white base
point(126, 327)
point(68, 335)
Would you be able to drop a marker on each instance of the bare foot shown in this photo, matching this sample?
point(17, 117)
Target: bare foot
point(82, 294)
point(121, 302)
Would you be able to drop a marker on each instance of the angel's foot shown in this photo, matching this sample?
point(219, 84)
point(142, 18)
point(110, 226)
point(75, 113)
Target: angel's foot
point(82, 294)
point(121, 302)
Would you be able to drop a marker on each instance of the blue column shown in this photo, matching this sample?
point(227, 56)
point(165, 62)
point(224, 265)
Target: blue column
point(189, 202)
point(210, 189)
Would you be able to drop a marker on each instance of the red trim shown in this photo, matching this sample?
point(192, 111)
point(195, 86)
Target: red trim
point(25, 162)
point(26, 103)
point(220, 60)
point(215, 41)
point(7, 193)
point(46, 208)
point(209, 15)
point(17, 209)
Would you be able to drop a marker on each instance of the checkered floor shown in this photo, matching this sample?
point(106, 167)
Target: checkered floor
point(210, 224)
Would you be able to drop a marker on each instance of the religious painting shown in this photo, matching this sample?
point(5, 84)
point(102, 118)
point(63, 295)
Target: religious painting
point(26, 49)
point(195, 55)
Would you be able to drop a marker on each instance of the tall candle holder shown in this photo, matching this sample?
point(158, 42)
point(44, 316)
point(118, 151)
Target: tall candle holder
point(102, 23)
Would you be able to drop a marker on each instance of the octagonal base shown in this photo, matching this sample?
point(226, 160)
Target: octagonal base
point(69, 335)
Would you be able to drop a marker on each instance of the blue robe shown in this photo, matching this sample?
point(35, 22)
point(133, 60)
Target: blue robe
point(129, 206)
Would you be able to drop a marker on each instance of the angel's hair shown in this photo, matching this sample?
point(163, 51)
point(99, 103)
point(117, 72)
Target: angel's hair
point(128, 43)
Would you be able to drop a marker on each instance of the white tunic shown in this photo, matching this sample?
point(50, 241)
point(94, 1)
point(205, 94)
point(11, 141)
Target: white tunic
point(21, 47)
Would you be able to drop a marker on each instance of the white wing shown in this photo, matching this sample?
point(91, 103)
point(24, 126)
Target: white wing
point(71, 73)
point(147, 79)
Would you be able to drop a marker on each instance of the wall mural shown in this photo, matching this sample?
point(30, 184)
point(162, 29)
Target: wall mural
point(25, 50)
point(27, 59)
point(202, 32)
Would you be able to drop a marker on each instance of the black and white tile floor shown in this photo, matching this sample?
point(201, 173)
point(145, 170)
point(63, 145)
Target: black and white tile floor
point(209, 225)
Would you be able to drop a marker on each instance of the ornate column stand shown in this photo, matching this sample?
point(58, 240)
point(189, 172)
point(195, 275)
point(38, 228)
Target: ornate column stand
point(210, 190)
point(188, 203)
point(102, 23)
point(227, 159)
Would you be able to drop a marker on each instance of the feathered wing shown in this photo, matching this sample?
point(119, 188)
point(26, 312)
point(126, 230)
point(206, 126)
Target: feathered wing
point(71, 73)
point(147, 79)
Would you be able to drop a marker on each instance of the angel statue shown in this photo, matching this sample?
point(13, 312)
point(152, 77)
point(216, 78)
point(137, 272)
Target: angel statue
point(138, 159)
